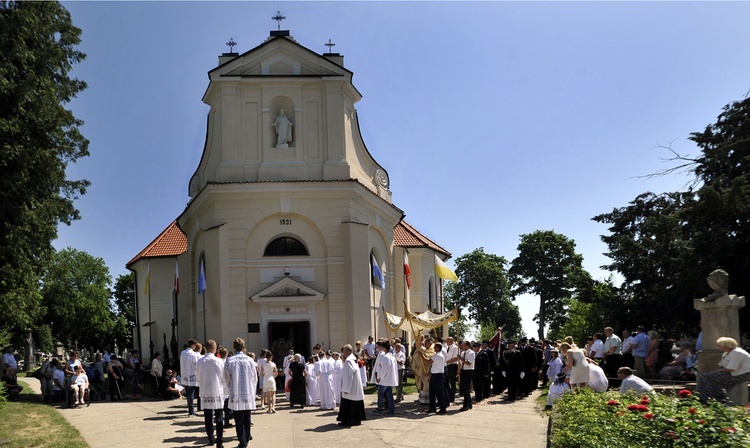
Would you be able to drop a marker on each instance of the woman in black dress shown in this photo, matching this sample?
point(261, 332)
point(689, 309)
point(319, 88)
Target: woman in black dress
point(297, 383)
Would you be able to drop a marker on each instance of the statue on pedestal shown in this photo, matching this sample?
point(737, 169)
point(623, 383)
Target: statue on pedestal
point(718, 280)
point(283, 128)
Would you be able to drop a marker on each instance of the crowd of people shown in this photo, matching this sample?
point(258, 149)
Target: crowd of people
point(226, 384)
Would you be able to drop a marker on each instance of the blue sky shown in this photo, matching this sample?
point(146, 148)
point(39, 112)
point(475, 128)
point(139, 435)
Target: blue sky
point(493, 119)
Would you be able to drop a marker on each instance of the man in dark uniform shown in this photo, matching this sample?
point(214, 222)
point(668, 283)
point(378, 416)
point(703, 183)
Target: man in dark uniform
point(529, 363)
point(481, 370)
point(491, 365)
point(498, 382)
point(514, 369)
point(539, 363)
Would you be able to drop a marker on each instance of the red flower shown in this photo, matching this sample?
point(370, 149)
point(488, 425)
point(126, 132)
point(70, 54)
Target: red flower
point(672, 434)
point(648, 416)
point(701, 421)
point(641, 407)
point(612, 403)
point(685, 393)
point(692, 410)
point(632, 407)
point(645, 400)
point(729, 429)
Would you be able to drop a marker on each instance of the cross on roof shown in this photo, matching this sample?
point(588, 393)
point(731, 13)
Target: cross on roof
point(330, 45)
point(278, 18)
point(231, 45)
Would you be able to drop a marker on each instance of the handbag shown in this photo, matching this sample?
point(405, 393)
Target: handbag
point(37, 374)
point(127, 372)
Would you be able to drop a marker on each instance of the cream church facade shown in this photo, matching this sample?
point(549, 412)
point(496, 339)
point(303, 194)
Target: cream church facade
point(288, 212)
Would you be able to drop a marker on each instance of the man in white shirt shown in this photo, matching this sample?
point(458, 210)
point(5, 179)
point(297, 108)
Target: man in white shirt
point(400, 356)
point(597, 348)
point(241, 376)
point(385, 372)
point(467, 373)
point(631, 382)
point(188, 360)
point(370, 353)
point(156, 368)
point(612, 352)
point(451, 359)
point(437, 381)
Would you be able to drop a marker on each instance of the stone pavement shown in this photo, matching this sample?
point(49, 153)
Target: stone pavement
point(155, 423)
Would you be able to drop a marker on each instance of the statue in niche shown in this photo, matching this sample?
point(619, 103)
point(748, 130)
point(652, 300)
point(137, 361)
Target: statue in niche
point(718, 280)
point(283, 128)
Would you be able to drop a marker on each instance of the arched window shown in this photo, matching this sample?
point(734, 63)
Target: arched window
point(285, 246)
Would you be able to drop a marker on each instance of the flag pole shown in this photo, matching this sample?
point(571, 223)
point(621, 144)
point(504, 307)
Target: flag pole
point(150, 322)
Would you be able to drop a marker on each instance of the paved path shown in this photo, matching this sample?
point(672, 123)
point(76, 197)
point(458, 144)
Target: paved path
point(152, 423)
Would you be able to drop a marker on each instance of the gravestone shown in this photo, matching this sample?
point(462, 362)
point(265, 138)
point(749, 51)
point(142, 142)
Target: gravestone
point(29, 354)
point(720, 317)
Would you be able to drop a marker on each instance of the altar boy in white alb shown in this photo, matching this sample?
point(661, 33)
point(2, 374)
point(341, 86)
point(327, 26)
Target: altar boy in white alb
point(209, 372)
point(241, 376)
point(352, 409)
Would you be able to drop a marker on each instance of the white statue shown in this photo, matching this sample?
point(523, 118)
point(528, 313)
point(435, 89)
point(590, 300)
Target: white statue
point(283, 130)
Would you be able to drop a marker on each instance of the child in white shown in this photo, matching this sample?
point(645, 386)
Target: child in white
point(557, 389)
point(79, 382)
point(555, 366)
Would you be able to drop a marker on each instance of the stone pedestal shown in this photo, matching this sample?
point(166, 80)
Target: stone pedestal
point(720, 318)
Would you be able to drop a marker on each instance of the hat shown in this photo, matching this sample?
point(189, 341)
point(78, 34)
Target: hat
point(560, 375)
point(511, 342)
point(476, 344)
point(485, 341)
point(523, 339)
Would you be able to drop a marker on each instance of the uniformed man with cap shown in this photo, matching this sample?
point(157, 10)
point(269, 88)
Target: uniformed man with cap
point(514, 369)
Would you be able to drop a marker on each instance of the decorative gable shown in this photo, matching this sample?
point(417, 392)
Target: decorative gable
point(288, 291)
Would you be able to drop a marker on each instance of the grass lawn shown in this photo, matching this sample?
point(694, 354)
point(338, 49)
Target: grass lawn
point(410, 387)
point(29, 423)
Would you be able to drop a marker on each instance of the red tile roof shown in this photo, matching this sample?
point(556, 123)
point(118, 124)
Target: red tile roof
point(171, 242)
point(404, 235)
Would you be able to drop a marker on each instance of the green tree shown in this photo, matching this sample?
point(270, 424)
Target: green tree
point(651, 245)
point(459, 327)
point(123, 297)
point(77, 297)
point(590, 311)
point(38, 139)
point(548, 266)
point(665, 245)
point(483, 290)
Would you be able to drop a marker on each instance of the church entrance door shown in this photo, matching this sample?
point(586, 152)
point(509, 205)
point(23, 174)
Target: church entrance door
point(285, 336)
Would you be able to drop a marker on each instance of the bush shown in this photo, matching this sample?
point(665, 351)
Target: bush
point(588, 419)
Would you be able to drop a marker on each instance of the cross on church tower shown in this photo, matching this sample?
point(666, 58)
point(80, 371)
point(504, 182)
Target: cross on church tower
point(330, 46)
point(231, 45)
point(278, 18)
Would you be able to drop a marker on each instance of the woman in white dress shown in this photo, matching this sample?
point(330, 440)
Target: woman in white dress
point(576, 365)
point(311, 386)
point(270, 373)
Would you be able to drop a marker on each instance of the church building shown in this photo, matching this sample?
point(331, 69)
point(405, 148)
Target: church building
point(290, 237)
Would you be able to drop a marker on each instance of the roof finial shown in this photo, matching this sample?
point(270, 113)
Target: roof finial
point(330, 46)
point(231, 45)
point(278, 18)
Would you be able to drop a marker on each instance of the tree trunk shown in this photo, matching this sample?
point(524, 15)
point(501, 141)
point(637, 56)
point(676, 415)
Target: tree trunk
point(542, 309)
